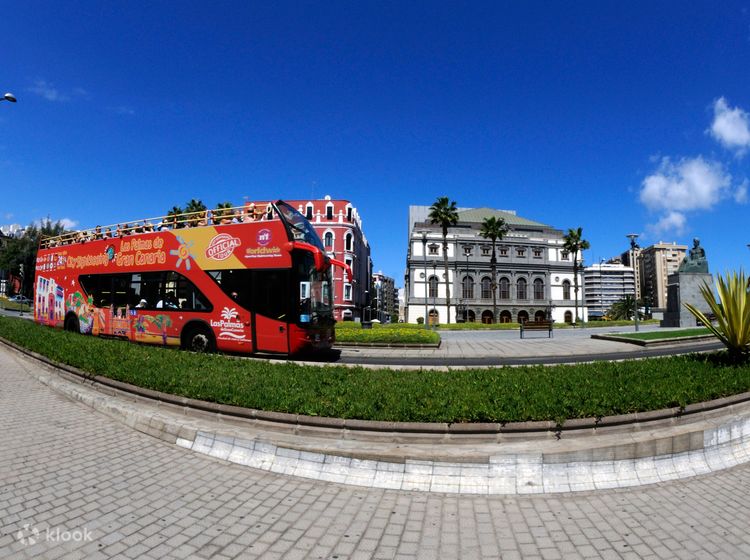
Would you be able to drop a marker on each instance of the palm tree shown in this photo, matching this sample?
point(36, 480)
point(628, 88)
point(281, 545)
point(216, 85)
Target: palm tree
point(175, 217)
point(194, 209)
point(623, 309)
point(574, 243)
point(221, 212)
point(444, 213)
point(493, 229)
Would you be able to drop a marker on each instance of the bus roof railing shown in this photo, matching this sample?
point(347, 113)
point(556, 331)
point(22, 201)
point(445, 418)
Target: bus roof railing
point(248, 212)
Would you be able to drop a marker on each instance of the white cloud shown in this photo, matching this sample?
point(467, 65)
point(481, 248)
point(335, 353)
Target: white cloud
point(123, 110)
point(47, 91)
point(690, 184)
point(674, 222)
point(740, 195)
point(731, 126)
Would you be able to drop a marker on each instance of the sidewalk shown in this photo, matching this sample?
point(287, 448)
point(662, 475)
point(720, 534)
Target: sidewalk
point(473, 459)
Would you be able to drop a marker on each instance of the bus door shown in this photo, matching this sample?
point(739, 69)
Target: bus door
point(272, 305)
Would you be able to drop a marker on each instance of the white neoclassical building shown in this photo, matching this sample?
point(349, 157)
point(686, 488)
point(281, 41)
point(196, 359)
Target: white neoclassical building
point(534, 273)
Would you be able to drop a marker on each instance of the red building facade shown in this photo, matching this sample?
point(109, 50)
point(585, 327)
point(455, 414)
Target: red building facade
point(340, 227)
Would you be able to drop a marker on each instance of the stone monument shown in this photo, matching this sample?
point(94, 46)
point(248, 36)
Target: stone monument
point(684, 286)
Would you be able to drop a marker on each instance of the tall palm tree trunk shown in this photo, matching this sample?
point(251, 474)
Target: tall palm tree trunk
point(493, 284)
point(575, 283)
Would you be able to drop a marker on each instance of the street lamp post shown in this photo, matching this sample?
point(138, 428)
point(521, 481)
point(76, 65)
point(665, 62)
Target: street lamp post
point(424, 256)
point(9, 97)
point(633, 246)
point(467, 254)
point(434, 298)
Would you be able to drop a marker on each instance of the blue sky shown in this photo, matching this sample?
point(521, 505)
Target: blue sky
point(615, 117)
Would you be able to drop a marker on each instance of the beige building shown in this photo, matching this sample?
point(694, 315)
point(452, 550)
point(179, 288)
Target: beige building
point(657, 262)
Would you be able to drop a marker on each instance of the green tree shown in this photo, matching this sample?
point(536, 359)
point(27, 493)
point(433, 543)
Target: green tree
point(194, 208)
point(623, 309)
point(494, 228)
point(444, 213)
point(174, 216)
point(732, 314)
point(19, 256)
point(574, 243)
point(221, 211)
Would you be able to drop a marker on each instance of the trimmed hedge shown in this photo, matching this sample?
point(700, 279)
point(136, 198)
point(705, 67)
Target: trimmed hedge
point(399, 333)
point(473, 395)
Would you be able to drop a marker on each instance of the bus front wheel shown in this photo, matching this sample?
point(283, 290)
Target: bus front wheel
point(71, 324)
point(198, 339)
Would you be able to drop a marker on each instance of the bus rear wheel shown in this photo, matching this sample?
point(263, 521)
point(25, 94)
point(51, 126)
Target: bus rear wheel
point(72, 325)
point(198, 339)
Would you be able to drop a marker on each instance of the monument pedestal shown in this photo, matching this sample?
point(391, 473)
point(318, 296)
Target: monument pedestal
point(684, 287)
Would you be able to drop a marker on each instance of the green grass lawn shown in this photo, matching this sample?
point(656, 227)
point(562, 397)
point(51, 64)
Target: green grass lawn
point(506, 326)
point(472, 395)
point(665, 335)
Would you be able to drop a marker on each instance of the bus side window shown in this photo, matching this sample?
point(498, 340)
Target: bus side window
point(271, 295)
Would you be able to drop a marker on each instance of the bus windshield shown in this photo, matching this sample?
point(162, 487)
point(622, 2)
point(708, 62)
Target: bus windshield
point(315, 292)
point(300, 228)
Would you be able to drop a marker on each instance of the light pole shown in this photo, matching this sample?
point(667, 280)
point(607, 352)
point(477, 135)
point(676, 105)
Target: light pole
point(633, 246)
point(467, 253)
point(437, 283)
point(9, 97)
point(424, 256)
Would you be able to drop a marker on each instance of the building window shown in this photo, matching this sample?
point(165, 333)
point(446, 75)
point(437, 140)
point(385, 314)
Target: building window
point(486, 251)
point(328, 240)
point(468, 288)
point(564, 255)
point(309, 212)
point(521, 289)
point(486, 288)
point(433, 286)
point(538, 288)
point(433, 247)
point(348, 241)
point(504, 288)
point(347, 292)
point(329, 212)
point(348, 213)
point(537, 253)
point(503, 251)
point(566, 289)
point(520, 252)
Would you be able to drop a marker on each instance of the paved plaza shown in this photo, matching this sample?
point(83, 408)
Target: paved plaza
point(77, 484)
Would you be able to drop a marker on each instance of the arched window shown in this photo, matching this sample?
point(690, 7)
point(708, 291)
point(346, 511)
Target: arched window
point(568, 317)
point(523, 317)
point(486, 288)
point(329, 211)
point(504, 286)
point(487, 317)
point(471, 316)
point(433, 286)
point(538, 288)
point(521, 289)
point(505, 316)
point(348, 241)
point(566, 289)
point(468, 288)
point(328, 240)
point(540, 316)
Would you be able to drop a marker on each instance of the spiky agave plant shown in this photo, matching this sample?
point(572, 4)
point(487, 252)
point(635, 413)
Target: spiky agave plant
point(732, 314)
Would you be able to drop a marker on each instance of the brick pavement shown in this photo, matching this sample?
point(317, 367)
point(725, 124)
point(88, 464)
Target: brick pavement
point(126, 495)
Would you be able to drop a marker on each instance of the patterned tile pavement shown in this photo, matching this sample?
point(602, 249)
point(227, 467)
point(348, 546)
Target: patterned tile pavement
point(76, 484)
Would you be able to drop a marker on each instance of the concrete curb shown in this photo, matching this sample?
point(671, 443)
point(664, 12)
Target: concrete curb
point(522, 458)
point(653, 343)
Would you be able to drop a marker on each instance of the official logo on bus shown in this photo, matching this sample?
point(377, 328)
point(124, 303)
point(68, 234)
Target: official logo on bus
point(221, 247)
point(264, 237)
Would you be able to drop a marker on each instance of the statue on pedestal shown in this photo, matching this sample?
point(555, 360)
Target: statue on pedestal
point(695, 261)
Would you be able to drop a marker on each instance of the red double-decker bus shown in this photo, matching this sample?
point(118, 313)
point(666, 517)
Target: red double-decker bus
point(235, 280)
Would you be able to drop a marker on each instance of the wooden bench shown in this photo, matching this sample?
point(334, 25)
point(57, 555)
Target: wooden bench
point(537, 326)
